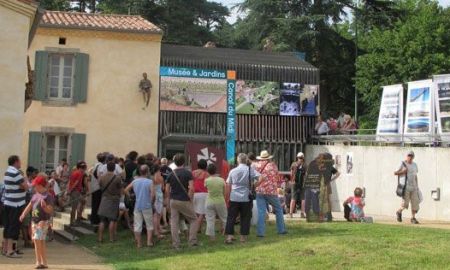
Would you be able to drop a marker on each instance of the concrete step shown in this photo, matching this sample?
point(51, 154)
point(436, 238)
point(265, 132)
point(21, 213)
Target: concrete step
point(78, 231)
point(64, 237)
point(87, 225)
point(58, 224)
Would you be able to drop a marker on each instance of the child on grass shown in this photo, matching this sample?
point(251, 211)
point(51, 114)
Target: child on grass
point(356, 208)
point(41, 208)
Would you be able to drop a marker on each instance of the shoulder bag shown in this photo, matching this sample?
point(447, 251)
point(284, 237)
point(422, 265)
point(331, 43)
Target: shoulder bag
point(401, 182)
point(181, 185)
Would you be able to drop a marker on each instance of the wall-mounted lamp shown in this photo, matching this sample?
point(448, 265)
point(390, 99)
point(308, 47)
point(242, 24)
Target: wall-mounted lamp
point(436, 194)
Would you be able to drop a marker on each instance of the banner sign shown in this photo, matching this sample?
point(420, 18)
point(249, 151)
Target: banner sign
point(299, 99)
point(442, 96)
point(420, 109)
point(390, 120)
point(231, 116)
point(197, 151)
point(189, 89)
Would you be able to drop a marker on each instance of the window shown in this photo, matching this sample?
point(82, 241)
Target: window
point(56, 148)
point(61, 71)
point(61, 77)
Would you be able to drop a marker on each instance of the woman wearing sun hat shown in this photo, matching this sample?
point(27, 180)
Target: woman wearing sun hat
point(266, 193)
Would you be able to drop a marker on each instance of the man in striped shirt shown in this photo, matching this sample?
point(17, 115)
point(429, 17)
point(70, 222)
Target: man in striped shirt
point(14, 202)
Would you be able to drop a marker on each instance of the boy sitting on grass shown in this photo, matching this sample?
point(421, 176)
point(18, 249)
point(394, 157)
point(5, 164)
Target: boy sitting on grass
point(41, 207)
point(354, 212)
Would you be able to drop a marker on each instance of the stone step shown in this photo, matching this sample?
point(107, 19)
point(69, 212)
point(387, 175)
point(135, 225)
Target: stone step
point(78, 231)
point(58, 224)
point(64, 237)
point(87, 225)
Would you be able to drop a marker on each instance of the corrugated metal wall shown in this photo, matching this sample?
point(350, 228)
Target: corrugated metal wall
point(282, 136)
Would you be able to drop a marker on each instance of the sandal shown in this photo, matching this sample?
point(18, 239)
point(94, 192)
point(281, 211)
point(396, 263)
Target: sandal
point(228, 241)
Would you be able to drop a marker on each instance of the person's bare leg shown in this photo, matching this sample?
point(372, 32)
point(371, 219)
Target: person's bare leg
point(148, 99)
point(164, 217)
point(101, 229)
point(149, 238)
point(112, 229)
point(36, 253)
point(43, 253)
point(291, 208)
point(9, 246)
point(128, 220)
point(303, 208)
point(199, 222)
point(137, 236)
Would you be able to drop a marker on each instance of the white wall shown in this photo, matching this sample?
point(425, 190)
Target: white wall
point(373, 169)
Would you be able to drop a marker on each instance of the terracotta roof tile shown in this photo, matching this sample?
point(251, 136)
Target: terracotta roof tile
point(105, 22)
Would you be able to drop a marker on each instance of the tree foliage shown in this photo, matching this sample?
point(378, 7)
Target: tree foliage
point(413, 49)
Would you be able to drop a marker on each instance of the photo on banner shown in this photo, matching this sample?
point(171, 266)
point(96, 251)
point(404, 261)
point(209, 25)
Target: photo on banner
point(184, 89)
point(442, 94)
point(390, 119)
point(420, 110)
point(299, 99)
point(257, 97)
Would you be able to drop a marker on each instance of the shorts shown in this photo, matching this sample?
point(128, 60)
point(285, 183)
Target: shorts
point(40, 230)
point(75, 198)
point(141, 216)
point(11, 221)
point(413, 198)
point(158, 207)
point(200, 203)
point(298, 195)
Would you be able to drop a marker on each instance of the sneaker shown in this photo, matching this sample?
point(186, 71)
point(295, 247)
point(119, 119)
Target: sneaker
point(13, 255)
point(399, 216)
point(414, 221)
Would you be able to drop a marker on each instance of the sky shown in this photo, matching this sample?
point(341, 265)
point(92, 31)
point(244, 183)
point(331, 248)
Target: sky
point(234, 13)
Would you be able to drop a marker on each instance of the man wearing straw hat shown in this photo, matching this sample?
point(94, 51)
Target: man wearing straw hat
point(266, 193)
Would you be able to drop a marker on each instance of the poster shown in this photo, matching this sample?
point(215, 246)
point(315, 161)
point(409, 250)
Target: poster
point(299, 99)
point(390, 120)
point(186, 89)
point(257, 97)
point(199, 151)
point(349, 164)
point(419, 110)
point(442, 96)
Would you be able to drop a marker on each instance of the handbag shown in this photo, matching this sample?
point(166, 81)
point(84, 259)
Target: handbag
point(401, 183)
point(251, 187)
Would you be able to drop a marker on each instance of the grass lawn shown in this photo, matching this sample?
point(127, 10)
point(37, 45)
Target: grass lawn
point(337, 245)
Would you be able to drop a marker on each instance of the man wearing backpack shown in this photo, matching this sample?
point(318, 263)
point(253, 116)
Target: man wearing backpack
point(95, 189)
point(409, 169)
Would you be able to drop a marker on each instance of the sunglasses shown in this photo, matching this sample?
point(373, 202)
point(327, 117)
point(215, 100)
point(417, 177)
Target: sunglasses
point(300, 157)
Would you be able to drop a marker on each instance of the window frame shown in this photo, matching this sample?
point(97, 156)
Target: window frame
point(61, 66)
point(56, 150)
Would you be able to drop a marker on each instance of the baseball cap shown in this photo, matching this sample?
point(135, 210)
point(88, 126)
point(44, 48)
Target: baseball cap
point(300, 154)
point(39, 181)
point(411, 153)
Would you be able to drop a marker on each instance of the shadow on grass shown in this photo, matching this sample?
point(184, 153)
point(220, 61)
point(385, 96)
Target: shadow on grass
point(124, 250)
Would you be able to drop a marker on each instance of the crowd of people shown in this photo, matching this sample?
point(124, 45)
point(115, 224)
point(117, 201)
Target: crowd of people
point(156, 196)
point(343, 125)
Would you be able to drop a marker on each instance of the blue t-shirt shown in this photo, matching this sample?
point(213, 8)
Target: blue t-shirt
point(142, 188)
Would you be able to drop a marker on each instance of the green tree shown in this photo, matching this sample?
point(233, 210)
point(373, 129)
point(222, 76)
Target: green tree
point(416, 47)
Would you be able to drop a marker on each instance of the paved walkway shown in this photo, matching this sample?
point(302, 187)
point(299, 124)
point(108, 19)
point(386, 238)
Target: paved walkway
point(390, 220)
point(60, 256)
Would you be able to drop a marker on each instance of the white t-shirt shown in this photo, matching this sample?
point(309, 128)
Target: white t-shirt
point(102, 169)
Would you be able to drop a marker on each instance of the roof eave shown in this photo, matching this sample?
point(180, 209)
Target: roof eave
point(148, 32)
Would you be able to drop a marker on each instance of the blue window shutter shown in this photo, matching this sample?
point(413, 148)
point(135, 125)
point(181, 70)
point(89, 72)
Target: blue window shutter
point(78, 148)
point(41, 75)
point(80, 83)
point(35, 149)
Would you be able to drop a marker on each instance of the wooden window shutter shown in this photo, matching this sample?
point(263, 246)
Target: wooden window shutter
point(35, 149)
point(41, 75)
point(77, 149)
point(80, 83)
